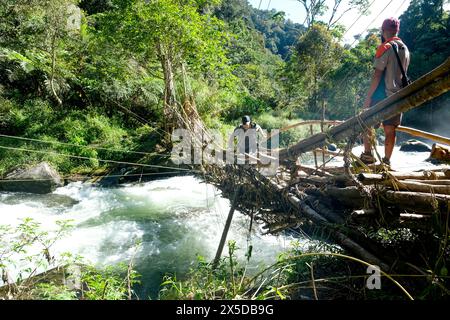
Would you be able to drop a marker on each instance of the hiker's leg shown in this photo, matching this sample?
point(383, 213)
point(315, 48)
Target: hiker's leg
point(367, 139)
point(389, 142)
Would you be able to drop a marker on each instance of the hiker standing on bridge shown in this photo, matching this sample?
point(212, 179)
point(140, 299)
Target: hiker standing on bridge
point(386, 80)
point(247, 135)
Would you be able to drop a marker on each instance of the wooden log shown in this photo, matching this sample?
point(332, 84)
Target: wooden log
point(424, 134)
point(418, 187)
point(227, 227)
point(340, 238)
point(313, 171)
point(440, 152)
point(418, 201)
point(349, 197)
point(325, 211)
point(364, 213)
point(431, 182)
point(329, 153)
point(422, 175)
point(370, 178)
point(430, 86)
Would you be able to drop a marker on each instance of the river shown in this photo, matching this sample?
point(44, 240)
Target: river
point(174, 219)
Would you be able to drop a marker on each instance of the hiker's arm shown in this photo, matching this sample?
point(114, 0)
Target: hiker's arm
point(376, 78)
point(261, 132)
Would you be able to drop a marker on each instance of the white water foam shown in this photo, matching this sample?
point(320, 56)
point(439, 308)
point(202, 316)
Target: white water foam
point(174, 219)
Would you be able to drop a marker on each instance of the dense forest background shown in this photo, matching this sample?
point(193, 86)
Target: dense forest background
point(121, 75)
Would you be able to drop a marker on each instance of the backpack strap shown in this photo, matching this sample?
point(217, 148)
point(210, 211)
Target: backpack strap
point(405, 79)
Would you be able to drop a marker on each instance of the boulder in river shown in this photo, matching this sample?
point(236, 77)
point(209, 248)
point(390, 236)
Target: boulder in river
point(332, 147)
point(40, 179)
point(415, 146)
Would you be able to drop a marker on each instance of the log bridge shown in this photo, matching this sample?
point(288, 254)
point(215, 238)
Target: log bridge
point(352, 205)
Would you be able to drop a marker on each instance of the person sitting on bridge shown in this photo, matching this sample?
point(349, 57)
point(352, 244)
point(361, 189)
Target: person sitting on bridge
point(386, 80)
point(247, 134)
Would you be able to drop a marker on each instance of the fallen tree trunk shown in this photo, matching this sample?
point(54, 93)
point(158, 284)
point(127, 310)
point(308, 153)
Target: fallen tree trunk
point(350, 197)
point(418, 187)
point(418, 201)
point(340, 238)
point(430, 86)
point(311, 214)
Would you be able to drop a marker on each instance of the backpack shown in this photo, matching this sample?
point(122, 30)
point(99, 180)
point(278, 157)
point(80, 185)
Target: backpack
point(405, 79)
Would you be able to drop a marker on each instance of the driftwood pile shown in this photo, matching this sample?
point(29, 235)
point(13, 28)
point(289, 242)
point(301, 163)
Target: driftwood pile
point(343, 209)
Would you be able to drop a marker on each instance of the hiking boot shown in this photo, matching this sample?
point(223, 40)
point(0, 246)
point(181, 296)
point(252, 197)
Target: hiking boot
point(386, 161)
point(367, 158)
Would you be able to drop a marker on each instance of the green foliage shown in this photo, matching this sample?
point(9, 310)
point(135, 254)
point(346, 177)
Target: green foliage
point(347, 85)
point(226, 281)
point(27, 249)
point(31, 271)
point(81, 132)
point(107, 283)
point(277, 120)
point(113, 73)
point(317, 54)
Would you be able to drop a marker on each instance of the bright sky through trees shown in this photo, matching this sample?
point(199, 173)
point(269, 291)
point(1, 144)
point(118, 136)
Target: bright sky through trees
point(295, 11)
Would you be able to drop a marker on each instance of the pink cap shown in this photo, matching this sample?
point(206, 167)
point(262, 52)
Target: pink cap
point(391, 24)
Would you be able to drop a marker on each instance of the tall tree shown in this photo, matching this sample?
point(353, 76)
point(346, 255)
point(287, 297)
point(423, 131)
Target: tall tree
point(177, 35)
point(317, 54)
point(316, 9)
point(36, 33)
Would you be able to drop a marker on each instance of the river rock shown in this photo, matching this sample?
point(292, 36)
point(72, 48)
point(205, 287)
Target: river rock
point(40, 179)
point(332, 147)
point(48, 200)
point(415, 146)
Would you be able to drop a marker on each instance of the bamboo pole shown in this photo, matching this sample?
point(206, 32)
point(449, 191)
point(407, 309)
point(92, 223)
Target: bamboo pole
point(424, 134)
point(305, 123)
point(329, 153)
point(372, 178)
point(419, 187)
point(311, 122)
point(314, 153)
point(322, 130)
point(430, 86)
point(432, 182)
point(226, 228)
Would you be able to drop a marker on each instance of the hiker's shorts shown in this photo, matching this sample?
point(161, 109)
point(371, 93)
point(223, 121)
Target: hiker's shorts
point(394, 121)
